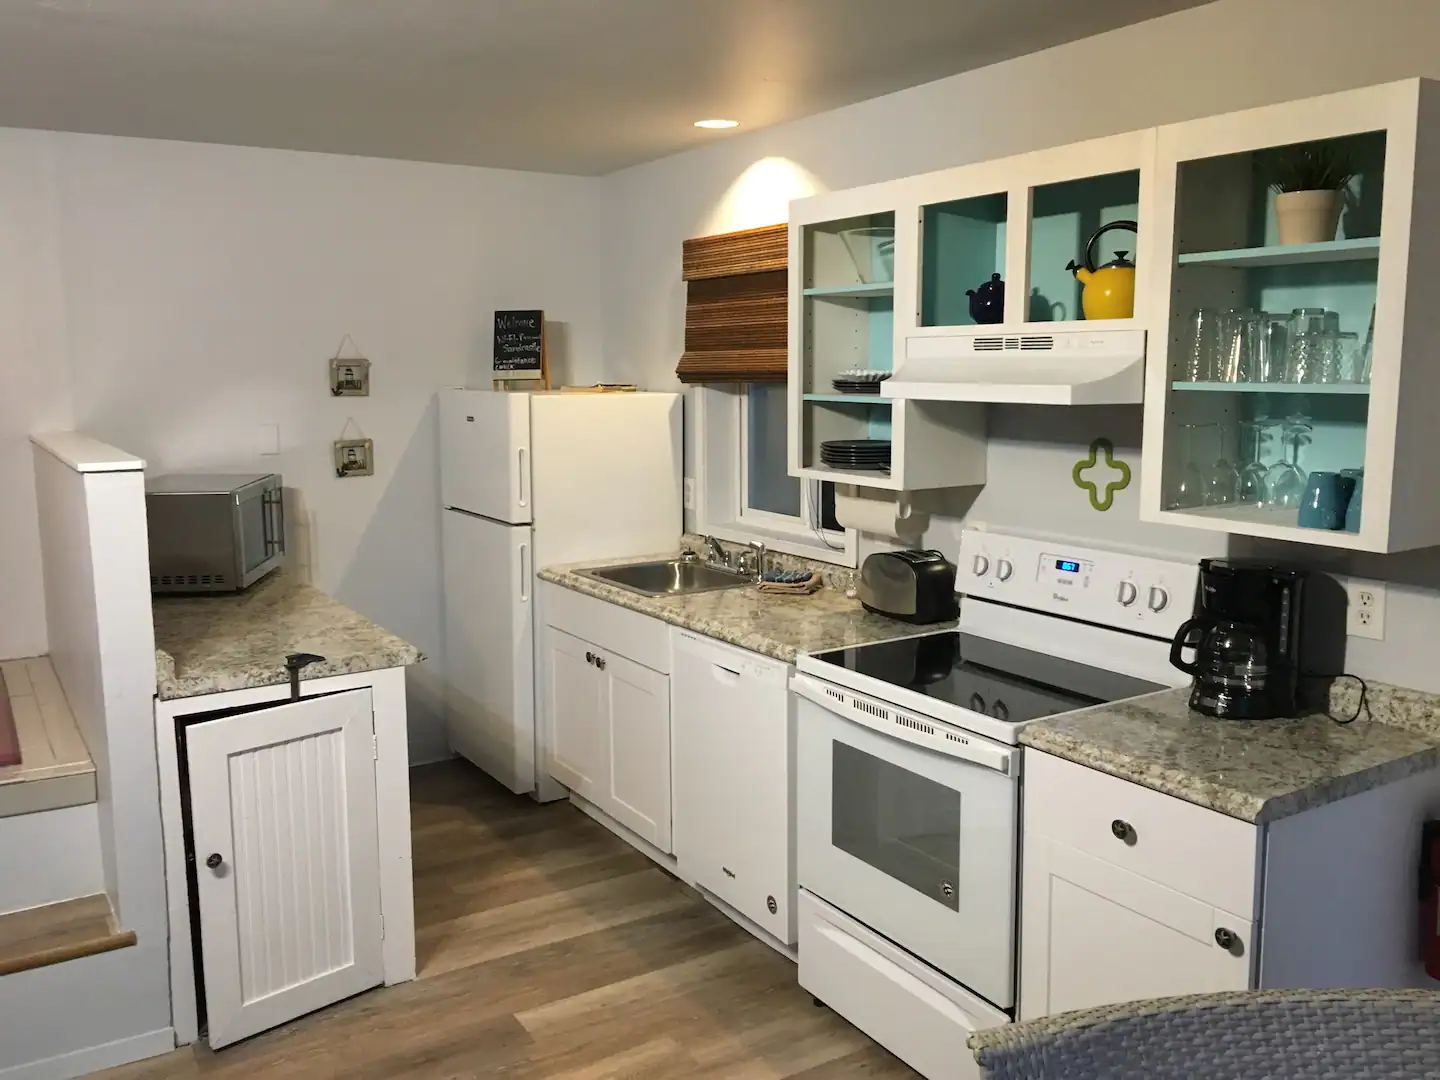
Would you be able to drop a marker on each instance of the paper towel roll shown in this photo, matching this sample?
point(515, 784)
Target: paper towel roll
point(880, 514)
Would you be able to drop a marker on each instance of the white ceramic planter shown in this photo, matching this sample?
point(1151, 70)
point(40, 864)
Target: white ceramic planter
point(1307, 217)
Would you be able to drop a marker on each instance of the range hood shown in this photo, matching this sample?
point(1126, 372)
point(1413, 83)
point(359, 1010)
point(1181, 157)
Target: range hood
point(1067, 367)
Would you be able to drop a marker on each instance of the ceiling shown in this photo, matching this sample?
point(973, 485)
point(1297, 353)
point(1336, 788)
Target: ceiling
point(578, 86)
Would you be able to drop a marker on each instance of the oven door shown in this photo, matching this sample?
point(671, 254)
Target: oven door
point(910, 827)
point(259, 530)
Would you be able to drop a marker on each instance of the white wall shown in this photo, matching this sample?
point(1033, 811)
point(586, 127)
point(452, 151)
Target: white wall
point(1228, 55)
point(191, 293)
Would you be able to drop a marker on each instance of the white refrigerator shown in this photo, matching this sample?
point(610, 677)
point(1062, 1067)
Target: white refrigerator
point(527, 481)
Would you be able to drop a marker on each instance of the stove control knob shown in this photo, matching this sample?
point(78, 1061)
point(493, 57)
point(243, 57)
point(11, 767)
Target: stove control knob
point(1127, 593)
point(1003, 569)
point(1159, 598)
point(981, 565)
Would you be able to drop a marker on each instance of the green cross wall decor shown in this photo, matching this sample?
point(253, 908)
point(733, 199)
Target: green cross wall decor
point(1092, 462)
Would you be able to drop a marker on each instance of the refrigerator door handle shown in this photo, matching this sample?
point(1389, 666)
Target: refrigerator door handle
point(522, 454)
point(524, 573)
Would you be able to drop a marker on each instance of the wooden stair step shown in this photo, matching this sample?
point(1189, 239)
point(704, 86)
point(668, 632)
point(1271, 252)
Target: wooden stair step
point(59, 932)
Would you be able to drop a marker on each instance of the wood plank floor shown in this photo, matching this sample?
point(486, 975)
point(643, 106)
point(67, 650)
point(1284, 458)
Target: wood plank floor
point(548, 948)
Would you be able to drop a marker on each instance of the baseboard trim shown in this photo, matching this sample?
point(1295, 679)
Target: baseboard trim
point(94, 1058)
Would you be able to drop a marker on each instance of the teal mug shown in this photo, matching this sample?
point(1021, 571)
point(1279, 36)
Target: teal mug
point(1327, 497)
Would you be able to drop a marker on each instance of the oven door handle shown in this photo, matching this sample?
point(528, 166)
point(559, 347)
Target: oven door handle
point(975, 749)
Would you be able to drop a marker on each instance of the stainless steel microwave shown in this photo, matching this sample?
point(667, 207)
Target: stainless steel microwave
point(213, 534)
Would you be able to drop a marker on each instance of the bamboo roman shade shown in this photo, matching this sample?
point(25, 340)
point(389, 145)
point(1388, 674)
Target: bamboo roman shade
point(735, 306)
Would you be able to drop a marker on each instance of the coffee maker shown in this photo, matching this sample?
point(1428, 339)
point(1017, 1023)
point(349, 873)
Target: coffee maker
point(1246, 635)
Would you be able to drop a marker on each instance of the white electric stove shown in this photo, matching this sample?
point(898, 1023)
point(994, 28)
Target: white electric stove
point(909, 775)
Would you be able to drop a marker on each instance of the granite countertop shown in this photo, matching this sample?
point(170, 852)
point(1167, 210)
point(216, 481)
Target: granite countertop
point(208, 644)
point(778, 626)
point(1256, 771)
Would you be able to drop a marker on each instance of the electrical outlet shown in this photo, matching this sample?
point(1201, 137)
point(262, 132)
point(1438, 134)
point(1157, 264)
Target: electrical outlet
point(1365, 609)
point(689, 493)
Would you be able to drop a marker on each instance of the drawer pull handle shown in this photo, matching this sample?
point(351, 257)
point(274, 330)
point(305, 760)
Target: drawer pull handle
point(1122, 831)
point(1226, 939)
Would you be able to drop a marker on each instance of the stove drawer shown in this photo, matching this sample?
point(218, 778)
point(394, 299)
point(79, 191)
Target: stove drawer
point(1196, 851)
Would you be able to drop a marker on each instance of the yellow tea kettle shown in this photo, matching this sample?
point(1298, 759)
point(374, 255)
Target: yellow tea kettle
point(1110, 289)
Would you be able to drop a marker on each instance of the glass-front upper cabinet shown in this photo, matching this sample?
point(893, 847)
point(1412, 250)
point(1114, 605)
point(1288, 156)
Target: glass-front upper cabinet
point(1019, 263)
point(1293, 391)
point(844, 252)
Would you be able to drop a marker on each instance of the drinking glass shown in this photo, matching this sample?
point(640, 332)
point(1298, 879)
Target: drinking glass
point(1222, 484)
point(1186, 486)
point(1252, 476)
point(1327, 365)
point(1348, 357)
point(1202, 346)
point(1303, 344)
point(1265, 344)
point(1367, 351)
point(1233, 364)
point(1285, 483)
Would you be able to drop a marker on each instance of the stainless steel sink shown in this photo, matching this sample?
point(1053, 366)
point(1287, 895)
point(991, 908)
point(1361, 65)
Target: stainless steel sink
point(673, 577)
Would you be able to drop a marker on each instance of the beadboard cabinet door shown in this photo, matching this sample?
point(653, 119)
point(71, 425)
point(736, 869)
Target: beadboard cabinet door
point(286, 860)
point(1095, 934)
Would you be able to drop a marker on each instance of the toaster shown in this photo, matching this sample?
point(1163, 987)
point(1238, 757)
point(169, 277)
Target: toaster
point(913, 586)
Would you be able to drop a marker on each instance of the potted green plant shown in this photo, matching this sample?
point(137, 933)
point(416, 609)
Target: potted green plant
point(1309, 182)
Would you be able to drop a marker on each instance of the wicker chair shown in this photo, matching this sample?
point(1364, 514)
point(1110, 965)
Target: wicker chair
point(1254, 1035)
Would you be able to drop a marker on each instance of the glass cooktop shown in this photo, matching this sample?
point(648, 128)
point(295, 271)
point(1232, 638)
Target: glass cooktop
point(987, 677)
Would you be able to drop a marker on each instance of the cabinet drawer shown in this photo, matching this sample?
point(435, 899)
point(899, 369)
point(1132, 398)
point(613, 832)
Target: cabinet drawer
point(617, 629)
point(1196, 851)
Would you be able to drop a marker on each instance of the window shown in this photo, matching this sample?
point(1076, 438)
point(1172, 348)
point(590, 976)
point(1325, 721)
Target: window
point(741, 468)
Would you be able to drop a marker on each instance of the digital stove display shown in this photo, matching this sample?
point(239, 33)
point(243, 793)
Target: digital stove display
point(986, 676)
point(1070, 566)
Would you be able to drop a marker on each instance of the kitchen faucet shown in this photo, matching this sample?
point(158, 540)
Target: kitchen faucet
point(717, 553)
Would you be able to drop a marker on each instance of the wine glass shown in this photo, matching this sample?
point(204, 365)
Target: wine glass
point(1252, 476)
point(1222, 485)
point(1285, 483)
point(1186, 486)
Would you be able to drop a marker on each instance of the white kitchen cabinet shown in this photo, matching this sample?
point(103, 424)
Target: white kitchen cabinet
point(735, 779)
point(285, 833)
point(1129, 893)
point(1218, 227)
point(579, 740)
point(606, 720)
point(307, 805)
point(1094, 934)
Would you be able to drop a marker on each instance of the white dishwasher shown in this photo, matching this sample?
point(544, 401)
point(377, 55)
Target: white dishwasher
point(734, 790)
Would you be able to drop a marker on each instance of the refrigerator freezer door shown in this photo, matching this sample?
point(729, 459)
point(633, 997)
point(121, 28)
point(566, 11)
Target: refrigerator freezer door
point(489, 646)
point(485, 454)
point(607, 475)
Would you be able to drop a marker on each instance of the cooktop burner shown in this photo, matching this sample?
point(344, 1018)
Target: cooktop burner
point(988, 677)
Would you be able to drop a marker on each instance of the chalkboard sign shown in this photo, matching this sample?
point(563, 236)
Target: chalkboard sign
point(519, 344)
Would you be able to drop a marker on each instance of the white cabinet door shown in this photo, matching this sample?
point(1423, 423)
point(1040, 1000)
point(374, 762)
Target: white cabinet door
point(636, 706)
point(734, 780)
point(1093, 934)
point(575, 716)
point(287, 860)
point(489, 646)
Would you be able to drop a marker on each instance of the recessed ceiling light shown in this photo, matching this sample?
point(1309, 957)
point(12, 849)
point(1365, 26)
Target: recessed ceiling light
point(716, 124)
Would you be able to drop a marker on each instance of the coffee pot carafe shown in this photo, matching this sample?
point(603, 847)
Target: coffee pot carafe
point(1246, 636)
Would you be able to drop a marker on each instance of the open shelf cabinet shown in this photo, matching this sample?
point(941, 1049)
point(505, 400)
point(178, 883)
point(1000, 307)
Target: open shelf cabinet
point(1216, 215)
point(845, 250)
point(1019, 222)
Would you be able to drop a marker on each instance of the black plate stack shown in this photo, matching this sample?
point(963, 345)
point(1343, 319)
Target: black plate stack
point(857, 454)
point(859, 382)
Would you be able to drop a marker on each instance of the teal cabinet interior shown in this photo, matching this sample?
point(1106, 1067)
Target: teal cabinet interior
point(962, 245)
point(1063, 217)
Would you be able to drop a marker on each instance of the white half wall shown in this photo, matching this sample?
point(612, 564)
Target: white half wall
point(1228, 55)
point(191, 295)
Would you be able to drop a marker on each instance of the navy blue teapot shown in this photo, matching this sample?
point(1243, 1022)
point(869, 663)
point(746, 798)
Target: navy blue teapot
point(987, 303)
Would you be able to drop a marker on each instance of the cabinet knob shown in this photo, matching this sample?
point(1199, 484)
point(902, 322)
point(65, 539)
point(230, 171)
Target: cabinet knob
point(1121, 829)
point(1226, 939)
point(214, 861)
point(600, 662)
